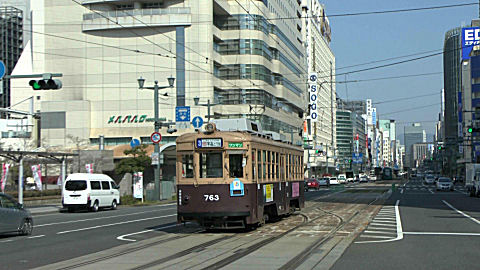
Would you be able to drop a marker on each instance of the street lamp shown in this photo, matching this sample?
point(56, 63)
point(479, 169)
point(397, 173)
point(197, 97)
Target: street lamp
point(157, 124)
point(196, 100)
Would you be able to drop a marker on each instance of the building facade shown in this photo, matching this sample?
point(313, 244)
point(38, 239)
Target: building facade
point(242, 57)
point(351, 141)
point(11, 47)
point(412, 134)
point(452, 84)
point(317, 36)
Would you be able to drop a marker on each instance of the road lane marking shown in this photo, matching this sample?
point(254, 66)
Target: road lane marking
point(384, 224)
point(384, 221)
point(379, 232)
point(462, 213)
point(401, 191)
point(442, 233)
point(384, 218)
point(122, 237)
point(5, 241)
point(373, 236)
point(114, 224)
point(398, 226)
point(382, 228)
point(98, 218)
point(431, 191)
point(37, 236)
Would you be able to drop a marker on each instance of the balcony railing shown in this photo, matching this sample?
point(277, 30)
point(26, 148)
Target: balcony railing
point(173, 16)
point(136, 12)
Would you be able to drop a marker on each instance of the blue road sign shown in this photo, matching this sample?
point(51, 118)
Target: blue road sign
point(182, 114)
point(134, 143)
point(197, 122)
point(2, 69)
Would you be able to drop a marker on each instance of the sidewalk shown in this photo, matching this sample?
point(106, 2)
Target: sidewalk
point(44, 209)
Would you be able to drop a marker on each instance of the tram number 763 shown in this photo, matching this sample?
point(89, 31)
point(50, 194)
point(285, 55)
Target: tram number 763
point(211, 198)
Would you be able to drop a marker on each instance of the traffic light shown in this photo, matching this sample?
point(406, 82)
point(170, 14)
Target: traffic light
point(473, 129)
point(440, 147)
point(50, 84)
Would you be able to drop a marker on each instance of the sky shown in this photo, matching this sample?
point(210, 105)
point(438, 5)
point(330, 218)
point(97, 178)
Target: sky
point(366, 38)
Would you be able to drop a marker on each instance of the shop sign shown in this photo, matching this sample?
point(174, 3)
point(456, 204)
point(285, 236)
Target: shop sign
point(119, 119)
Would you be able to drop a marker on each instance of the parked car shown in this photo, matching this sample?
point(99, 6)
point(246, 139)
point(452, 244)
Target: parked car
point(324, 182)
point(312, 183)
point(429, 179)
point(444, 183)
point(342, 178)
point(90, 191)
point(14, 218)
point(372, 177)
point(363, 178)
point(334, 181)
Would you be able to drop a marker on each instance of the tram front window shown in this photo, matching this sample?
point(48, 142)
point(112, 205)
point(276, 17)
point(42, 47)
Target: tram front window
point(236, 168)
point(187, 168)
point(211, 165)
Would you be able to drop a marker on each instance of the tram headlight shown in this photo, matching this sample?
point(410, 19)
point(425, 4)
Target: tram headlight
point(210, 128)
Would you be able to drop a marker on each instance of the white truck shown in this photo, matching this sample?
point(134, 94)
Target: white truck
point(472, 179)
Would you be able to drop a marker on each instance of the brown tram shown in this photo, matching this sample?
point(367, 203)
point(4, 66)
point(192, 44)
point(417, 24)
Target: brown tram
point(236, 179)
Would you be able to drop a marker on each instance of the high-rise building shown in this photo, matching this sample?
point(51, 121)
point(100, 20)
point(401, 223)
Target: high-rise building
point(351, 139)
point(321, 60)
point(11, 46)
point(24, 6)
point(357, 106)
point(452, 83)
point(245, 58)
point(412, 134)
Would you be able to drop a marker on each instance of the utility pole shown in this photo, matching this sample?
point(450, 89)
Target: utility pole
point(331, 112)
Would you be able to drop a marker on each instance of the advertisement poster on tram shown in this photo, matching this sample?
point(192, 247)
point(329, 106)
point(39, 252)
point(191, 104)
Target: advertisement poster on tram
point(295, 189)
point(268, 192)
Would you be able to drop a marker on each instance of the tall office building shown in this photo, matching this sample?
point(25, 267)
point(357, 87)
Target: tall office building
point(412, 134)
point(24, 6)
point(452, 82)
point(357, 106)
point(245, 58)
point(321, 60)
point(11, 46)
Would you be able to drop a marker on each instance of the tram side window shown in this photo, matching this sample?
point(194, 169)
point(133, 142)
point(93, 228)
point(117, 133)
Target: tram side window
point(282, 167)
point(187, 166)
point(211, 165)
point(264, 165)
point(277, 170)
point(235, 165)
point(253, 163)
point(259, 162)
point(269, 165)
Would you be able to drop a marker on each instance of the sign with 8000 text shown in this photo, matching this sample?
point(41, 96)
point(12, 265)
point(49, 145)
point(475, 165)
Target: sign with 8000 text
point(209, 143)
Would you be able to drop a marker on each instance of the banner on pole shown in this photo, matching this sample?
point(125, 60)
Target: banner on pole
point(37, 176)
point(138, 185)
point(3, 180)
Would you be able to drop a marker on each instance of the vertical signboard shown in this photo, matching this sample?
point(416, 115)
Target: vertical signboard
point(313, 90)
point(369, 111)
point(470, 38)
point(374, 116)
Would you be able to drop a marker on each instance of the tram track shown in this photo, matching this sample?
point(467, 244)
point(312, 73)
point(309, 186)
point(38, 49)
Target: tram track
point(298, 260)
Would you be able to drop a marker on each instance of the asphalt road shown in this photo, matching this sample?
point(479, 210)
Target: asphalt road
point(63, 236)
point(428, 229)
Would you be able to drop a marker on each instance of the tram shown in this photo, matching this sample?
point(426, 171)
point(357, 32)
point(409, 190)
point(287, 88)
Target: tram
point(236, 178)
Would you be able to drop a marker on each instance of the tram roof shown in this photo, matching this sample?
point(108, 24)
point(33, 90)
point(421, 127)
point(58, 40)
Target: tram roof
point(236, 136)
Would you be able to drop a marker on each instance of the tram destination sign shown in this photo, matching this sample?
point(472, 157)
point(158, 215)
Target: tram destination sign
point(210, 143)
point(235, 144)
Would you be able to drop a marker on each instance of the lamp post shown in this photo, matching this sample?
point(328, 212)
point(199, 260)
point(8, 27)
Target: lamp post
point(157, 126)
point(196, 100)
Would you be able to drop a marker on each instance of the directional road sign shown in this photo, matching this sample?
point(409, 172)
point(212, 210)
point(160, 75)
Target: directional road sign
point(156, 137)
point(182, 114)
point(134, 143)
point(197, 122)
point(2, 69)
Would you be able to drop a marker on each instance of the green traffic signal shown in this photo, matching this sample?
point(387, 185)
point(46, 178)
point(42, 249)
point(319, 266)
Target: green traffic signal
point(36, 86)
point(470, 130)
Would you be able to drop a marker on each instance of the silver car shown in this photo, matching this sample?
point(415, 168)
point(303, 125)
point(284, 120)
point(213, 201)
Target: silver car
point(444, 183)
point(13, 217)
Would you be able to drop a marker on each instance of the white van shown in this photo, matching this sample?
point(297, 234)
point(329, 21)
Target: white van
point(90, 191)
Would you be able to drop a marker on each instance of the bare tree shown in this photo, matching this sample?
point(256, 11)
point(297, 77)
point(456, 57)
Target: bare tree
point(79, 145)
